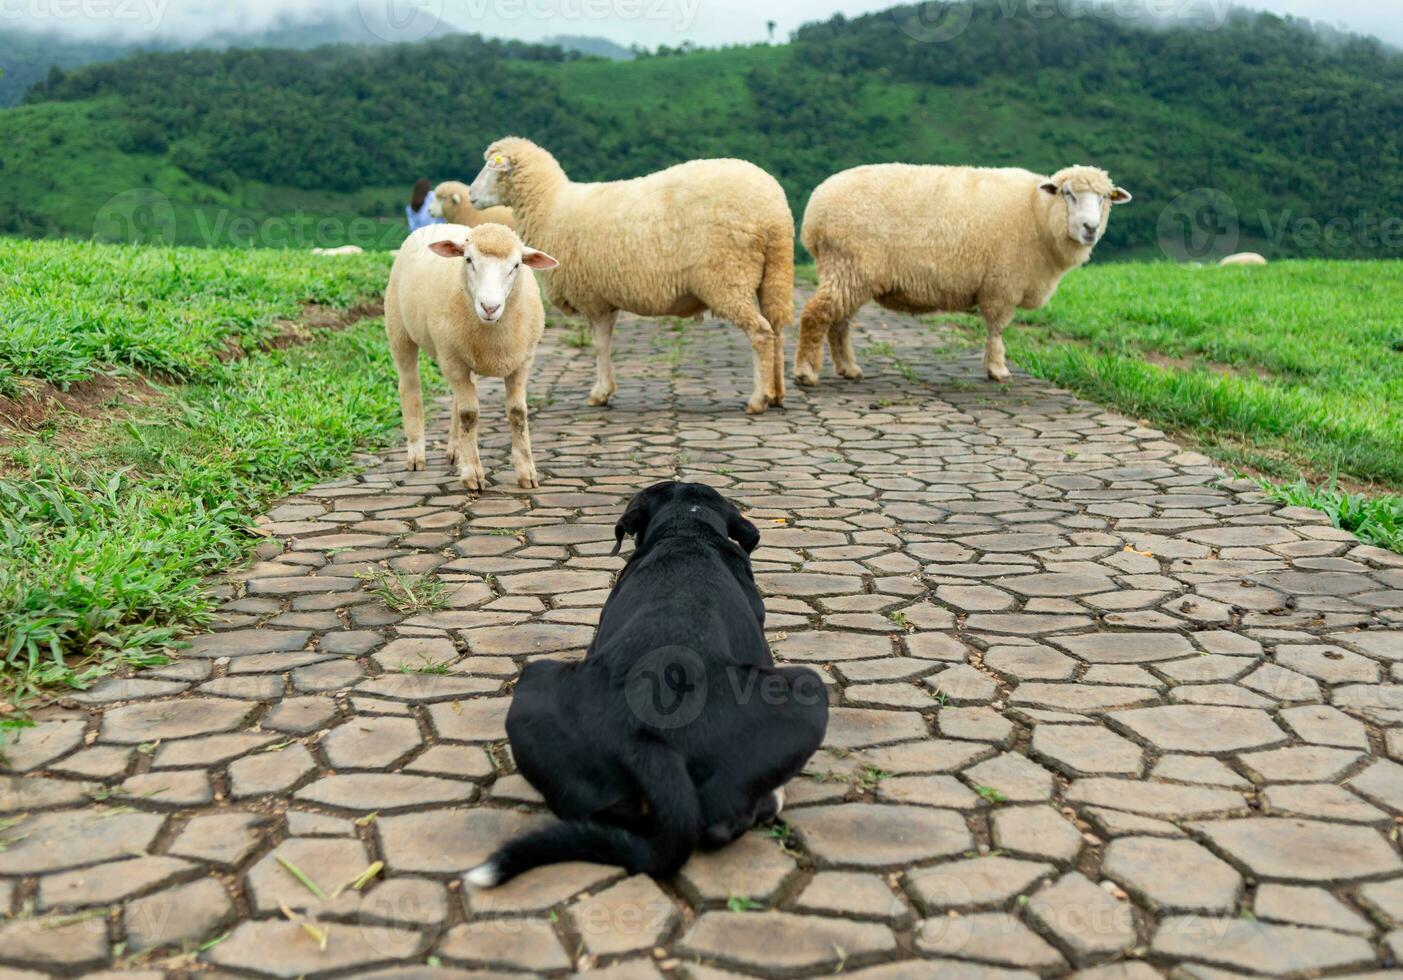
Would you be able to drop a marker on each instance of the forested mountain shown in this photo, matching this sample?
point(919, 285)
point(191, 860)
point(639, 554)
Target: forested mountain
point(1286, 126)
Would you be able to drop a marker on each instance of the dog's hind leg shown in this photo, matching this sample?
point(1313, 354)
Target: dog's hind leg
point(781, 722)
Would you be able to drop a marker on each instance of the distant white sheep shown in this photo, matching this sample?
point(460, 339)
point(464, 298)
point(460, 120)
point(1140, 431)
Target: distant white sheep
point(920, 239)
point(709, 234)
point(462, 295)
point(451, 203)
point(339, 250)
point(1244, 258)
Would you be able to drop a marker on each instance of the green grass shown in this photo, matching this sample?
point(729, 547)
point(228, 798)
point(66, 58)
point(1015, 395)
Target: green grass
point(107, 528)
point(1374, 520)
point(69, 312)
point(1293, 370)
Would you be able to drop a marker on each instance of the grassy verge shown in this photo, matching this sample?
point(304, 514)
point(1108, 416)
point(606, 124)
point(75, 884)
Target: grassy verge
point(1294, 371)
point(102, 549)
point(70, 311)
point(109, 520)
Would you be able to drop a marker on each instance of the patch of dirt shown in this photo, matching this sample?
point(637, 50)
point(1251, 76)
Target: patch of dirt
point(1213, 367)
point(44, 407)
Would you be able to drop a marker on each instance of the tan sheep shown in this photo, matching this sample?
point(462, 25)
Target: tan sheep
point(709, 234)
point(451, 203)
point(923, 239)
point(462, 295)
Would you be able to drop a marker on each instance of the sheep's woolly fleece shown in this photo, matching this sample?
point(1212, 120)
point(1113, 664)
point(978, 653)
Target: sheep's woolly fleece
point(699, 234)
point(922, 239)
point(707, 234)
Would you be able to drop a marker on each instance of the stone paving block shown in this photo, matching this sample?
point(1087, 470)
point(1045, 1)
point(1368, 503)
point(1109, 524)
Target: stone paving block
point(1174, 875)
point(1087, 920)
point(811, 943)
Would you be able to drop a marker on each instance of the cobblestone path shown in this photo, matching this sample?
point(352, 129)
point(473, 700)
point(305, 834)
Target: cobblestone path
point(1094, 710)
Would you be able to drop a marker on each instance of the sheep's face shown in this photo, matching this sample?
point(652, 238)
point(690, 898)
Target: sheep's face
point(436, 205)
point(486, 190)
point(1086, 195)
point(492, 257)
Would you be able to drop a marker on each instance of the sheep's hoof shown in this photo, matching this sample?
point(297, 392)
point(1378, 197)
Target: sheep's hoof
point(598, 399)
point(853, 373)
point(528, 480)
point(452, 456)
point(806, 376)
point(474, 481)
point(999, 374)
point(756, 405)
point(416, 460)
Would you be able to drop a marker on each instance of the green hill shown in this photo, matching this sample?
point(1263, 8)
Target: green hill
point(1260, 126)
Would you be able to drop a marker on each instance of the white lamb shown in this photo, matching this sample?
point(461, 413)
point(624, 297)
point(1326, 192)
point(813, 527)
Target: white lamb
point(921, 239)
point(709, 234)
point(462, 295)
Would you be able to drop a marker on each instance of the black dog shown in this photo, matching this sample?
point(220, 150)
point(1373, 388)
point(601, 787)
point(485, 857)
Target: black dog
point(676, 731)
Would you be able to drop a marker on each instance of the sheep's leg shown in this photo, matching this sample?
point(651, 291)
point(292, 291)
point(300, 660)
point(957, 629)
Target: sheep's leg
point(763, 340)
point(454, 430)
point(997, 317)
point(840, 345)
point(411, 394)
point(777, 368)
point(460, 379)
point(522, 459)
point(829, 305)
point(603, 329)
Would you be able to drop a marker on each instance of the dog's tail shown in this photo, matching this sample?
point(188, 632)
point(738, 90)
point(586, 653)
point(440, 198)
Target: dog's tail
point(672, 799)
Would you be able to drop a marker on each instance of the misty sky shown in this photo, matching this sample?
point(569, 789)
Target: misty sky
point(646, 22)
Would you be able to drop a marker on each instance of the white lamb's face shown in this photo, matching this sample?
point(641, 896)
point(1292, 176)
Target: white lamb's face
point(435, 206)
point(1087, 212)
point(489, 280)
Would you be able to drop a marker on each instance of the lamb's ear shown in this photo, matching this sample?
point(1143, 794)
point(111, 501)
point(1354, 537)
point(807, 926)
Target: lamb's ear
point(457, 199)
point(741, 531)
point(1119, 195)
point(1050, 188)
point(534, 259)
point(449, 250)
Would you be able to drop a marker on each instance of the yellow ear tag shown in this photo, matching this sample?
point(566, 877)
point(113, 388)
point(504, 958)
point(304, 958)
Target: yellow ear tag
point(498, 162)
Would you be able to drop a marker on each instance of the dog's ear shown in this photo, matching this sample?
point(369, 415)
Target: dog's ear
point(635, 518)
point(741, 531)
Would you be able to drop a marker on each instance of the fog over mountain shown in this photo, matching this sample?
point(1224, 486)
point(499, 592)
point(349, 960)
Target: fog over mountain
point(625, 22)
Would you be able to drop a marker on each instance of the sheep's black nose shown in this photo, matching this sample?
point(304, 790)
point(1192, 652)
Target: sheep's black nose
point(1092, 229)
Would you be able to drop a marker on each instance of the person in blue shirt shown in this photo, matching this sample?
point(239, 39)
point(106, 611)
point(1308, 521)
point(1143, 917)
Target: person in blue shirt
point(418, 212)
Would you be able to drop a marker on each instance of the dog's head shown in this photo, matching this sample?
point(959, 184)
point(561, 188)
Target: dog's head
point(671, 504)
